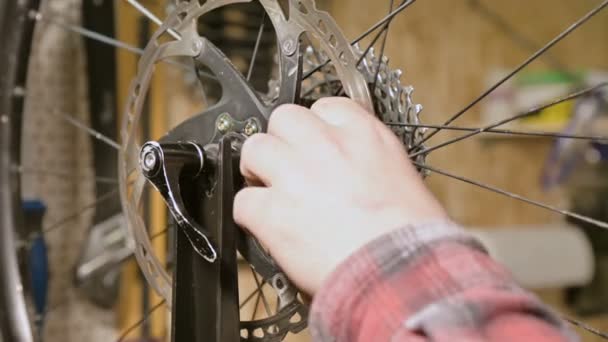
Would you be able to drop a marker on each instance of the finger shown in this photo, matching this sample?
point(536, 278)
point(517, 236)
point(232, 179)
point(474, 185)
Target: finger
point(296, 124)
point(264, 158)
point(250, 210)
point(353, 119)
point(340, 112)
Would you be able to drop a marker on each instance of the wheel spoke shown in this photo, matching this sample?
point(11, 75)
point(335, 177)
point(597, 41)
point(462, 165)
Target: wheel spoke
point(62, 222)
point(256, 305)
point(110, 41)
point(95, 134)
point(505, 131)
point(382, 32)
point(380, 23)
point(141, 321)
point(159, 234)
point(86, 33)
point(382, 47)
point(525, 63)
point(516, 36)
point(531, 112)
point(148, 14)
point(564, 212)
point(58, 174)
point(257, 46)
point(340, 90)
point(251, 295)
point(585, 327)
point(264, 300)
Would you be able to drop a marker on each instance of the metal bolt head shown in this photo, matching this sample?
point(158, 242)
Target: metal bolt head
point(289, 47)
point(224, 123)
point(251, 128)
point(149, 161)
point(197, 46)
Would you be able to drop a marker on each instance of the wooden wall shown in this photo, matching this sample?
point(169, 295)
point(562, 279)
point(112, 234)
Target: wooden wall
point(447, 50)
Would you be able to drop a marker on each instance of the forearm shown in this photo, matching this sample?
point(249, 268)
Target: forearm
point(429, 282)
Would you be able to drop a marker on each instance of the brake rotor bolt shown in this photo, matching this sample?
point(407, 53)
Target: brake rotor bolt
point(224, 123)
point(288, 47)
point(197, 46)
point(251, 128)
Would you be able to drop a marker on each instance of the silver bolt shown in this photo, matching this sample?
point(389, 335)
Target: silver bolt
point(4, 119)
point(197, 46)
point(289, 47)
point(150, 160)
point(224, 123)
point(251, 128)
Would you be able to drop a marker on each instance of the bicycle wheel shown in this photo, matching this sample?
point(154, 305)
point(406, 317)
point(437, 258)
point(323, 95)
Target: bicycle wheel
point(51, 181)
point(194, 160)
point(16, 33)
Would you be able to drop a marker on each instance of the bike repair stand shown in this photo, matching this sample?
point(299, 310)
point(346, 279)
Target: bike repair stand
point(205, 304)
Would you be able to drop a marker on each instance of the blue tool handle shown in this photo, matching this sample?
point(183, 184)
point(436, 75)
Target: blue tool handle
point(38, 262)
point(39, 273)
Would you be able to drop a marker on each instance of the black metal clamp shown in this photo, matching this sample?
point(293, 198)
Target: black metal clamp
point(164, 165)
point(205, 292)
point(198, 185)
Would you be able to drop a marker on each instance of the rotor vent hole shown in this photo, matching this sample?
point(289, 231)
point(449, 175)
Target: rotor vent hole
point(342, 57)
point(302, 8)
point(273, 329)
point(284, 4)
point(182, 16)
point(258, 332)
point(322, 27)
point(296, 318)
point(333, 42)
point(151, 268)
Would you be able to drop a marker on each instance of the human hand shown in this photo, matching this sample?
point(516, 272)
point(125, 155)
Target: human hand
point(334, 178)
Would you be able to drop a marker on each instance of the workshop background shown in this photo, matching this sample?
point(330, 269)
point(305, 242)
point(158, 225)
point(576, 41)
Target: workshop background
point(450, 51)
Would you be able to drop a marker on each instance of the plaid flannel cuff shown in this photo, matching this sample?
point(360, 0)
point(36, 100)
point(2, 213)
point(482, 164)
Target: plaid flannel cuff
point(350, 283)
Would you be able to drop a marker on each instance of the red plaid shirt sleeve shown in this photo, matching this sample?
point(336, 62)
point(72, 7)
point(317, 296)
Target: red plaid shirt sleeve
point(430, 282)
